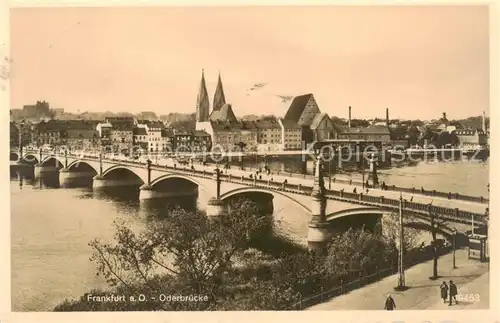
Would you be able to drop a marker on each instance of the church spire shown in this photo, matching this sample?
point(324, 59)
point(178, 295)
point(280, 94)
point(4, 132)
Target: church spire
point(202, 102)
point(219, 98)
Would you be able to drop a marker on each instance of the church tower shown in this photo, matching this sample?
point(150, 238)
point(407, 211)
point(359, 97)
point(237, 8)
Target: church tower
point(219, 98)
point(202, 102)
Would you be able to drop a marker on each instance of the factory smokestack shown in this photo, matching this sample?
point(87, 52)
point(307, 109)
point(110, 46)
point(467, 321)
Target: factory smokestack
point(387, 116)
point(349, 121)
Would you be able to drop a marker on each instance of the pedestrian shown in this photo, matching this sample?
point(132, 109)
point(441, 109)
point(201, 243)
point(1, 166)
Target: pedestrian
point(422, 189)
point(411, 199)
point(367, 190)
point(389, 304)
point(354, 191)
point(444, 291)
point(453, 292)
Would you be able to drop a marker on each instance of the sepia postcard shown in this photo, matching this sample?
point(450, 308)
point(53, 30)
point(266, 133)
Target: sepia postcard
point(249, 161)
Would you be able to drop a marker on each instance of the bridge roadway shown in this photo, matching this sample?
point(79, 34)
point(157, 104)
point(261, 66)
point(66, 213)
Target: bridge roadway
point(374, 196)
point(307, 182)
point(441, 197)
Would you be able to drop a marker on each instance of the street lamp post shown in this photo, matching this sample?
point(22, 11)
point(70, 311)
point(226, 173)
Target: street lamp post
point(149, 171)
point(330, 167)
point(401, 270)
point(100, 163)
point(218, 182)
point(454, 246)
point(21, 127)
point(363, 170)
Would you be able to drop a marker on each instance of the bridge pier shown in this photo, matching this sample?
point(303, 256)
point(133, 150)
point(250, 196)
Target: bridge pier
point(148, 192)
point(319, 233)
point(39, 169)
point(101, 182)
point(66, 176)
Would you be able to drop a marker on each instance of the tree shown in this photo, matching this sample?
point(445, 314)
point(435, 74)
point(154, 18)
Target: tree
point(429, 136)
point(391, 229)
point(354, 252)
point(187, 249)
point(413, 135)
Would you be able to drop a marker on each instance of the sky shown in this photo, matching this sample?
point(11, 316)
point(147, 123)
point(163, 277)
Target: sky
point(417, 61)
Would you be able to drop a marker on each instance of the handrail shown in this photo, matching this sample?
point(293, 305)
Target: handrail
point(355, 198)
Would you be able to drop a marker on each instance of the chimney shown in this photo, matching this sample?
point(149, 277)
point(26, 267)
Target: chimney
point(349, 121)
point(387, 116)
point(444, 115)
point(484, 122)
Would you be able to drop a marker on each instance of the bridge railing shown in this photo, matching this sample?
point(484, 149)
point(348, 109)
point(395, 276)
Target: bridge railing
point(413, 190)
point(380, 201)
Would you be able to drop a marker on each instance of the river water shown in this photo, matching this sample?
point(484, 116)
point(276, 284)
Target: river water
point(51, 226)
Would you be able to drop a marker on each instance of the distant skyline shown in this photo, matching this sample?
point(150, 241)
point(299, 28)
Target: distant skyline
point(418, 61)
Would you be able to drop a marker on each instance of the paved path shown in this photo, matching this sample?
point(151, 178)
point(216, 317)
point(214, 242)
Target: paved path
point(470, 276)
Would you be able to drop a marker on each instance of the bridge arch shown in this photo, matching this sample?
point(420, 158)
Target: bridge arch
point(77, 163)
point(117, 168)
point(31, 158)
point(13, 156)
point(263, 190)
point(355, 211)
point(417, 222)
point(178, 176)
point(46, 160)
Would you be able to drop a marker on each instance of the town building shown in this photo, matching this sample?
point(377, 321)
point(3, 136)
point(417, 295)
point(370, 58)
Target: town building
point(291, 134)
point(323, 128)
point(141, 138)
point(202, 141)
point(371, 133)
point(305, 111)
point(471, 137)
point(269, 135)
point(167, 140)
point(182, 141)
point(104, 130)
point(122, 134)
point(154, 133)
point(234, 136)
point(52, 132)
point(81, 134)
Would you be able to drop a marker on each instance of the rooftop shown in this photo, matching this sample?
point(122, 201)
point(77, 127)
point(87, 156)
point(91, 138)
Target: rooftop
point(297, 107)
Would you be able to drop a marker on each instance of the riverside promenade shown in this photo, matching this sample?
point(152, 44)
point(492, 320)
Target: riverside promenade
point(470, 276)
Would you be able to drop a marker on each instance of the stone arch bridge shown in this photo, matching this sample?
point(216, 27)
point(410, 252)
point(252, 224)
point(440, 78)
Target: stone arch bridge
point(324, 206)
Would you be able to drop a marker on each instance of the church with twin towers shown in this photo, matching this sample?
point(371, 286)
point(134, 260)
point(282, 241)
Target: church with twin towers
point(221, 111)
